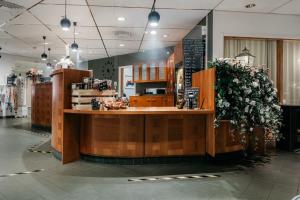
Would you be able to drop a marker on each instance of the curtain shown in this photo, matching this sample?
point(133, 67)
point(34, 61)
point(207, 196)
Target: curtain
point(263, 50)
point(291, 72)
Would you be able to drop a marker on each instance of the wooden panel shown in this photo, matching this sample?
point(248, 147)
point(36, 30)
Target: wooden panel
point(143, 111)
point(70, 150)
point(227, 139)
point(61, 99)
point(205, 81)
point(280, 69)
point(171, 75)
point(41, 104)
point(178, 53)
point(152, 101)
point(174, 135)
point(112, 135)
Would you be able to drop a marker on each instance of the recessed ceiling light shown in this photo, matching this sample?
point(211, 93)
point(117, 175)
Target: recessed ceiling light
point(168, 52)
point(250, 5)
point(76, 33)
point(46, 43)
point(153, 32)
point(146, 32)
point(165, 35)
point(122, 45)
point(121, 19)
point(54, 60)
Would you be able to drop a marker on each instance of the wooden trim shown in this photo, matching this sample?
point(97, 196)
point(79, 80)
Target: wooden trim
point(279, 74)
point(122, 81)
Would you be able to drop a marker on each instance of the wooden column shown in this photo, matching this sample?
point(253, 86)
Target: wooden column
point(280, 69)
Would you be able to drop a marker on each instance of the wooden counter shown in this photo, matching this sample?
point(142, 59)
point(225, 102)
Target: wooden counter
point(142, 111)
point(135, 132)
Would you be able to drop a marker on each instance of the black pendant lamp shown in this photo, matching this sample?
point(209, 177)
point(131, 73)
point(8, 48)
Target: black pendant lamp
point(49, 62)
point(153, 17)
point(44, 55)
point(74, 46)
point(65, 23)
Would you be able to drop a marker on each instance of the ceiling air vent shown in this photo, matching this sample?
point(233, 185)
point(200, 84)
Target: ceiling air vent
point(124, 35)
point(9, 5)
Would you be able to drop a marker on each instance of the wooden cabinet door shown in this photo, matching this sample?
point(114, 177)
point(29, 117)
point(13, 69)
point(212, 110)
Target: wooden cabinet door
point(152, 71)
point(136, 73)
point(162, 75)
point(157, 101)
point(133, 102)
point(144, 72)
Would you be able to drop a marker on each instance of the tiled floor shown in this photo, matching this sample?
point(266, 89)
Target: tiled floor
point(278, 177)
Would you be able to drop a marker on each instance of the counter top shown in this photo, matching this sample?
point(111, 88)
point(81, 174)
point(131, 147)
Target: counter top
point(142, 111)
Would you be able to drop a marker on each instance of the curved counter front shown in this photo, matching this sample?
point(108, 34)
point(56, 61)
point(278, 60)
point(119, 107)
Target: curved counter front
point(135, 133)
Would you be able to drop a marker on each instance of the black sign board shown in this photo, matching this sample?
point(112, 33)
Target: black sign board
point(194, 58)
point(103, 86)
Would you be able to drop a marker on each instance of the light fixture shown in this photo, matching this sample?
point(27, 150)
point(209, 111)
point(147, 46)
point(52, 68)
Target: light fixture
point(165, 35)
point(121, 19)
point(76, 33)
point(250, 5)
point(146, 32)
point(245, 58)
point(122, 45)
point(168, 52)
point(153, 32)
point(74, 46)
point(153, 17)
point(44, 55)
point(54, 60)
point(65, 23)
point(49, 62)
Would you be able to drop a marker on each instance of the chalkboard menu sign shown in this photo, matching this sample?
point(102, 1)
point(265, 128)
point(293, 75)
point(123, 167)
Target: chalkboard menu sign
point(194, 58)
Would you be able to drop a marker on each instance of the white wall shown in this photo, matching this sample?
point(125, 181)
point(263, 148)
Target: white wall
point(18, 64)
point(252, 25)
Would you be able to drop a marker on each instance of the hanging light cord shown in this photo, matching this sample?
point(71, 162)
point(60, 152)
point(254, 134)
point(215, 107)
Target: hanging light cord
point(44, 43)
point(153, 6)
point(65, 8)
point(74, 30)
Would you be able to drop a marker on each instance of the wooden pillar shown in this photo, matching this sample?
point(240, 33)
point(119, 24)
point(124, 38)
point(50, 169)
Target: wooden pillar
point(279, 75)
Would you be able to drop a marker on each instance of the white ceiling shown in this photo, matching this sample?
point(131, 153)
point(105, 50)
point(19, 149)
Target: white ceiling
point(22, 35)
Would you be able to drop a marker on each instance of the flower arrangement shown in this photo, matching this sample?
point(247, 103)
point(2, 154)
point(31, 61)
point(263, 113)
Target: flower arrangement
point(245, 95)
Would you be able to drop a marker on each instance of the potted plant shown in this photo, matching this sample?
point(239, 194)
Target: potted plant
point(247, 99)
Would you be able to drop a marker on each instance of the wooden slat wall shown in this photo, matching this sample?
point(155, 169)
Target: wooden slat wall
point(41, 104)
point(174, 135)
point(280, 69)
point(205, 81)
point(61, 99)
point(112, 135)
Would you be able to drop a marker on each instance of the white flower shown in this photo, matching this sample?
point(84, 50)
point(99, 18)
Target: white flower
point(255, 84)
point(248, 91)
point(252, 103)
point(251, 129)
point(247, 109)
point(229, 91)
point(240, 98)
point(227, 104)
point(236, 80)
point(252, 73)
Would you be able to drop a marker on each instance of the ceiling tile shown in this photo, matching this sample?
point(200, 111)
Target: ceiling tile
point(171, 34)
point(80, 14)
point(109, 16)
point(187, 4)
point(264, 6)
point(121, 33)
point(180, 18)
point(129, 3)
point(87, 43)
point(83, 32)
point(115, 44)
point(24, 3)
point(25, 18)
point(69, 2)
point(291, 8)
